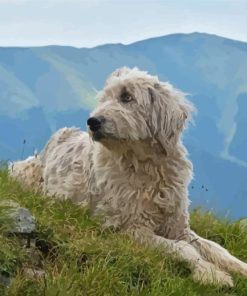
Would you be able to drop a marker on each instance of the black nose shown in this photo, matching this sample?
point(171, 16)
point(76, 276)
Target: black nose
point(94, 123)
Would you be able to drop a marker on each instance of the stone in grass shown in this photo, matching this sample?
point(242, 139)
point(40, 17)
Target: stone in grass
point(22, 220)
point(5, 280)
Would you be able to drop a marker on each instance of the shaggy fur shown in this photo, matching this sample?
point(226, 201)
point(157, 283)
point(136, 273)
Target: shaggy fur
point(134, 169)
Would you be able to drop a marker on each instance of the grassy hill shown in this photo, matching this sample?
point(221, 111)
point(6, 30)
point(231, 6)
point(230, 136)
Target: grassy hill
point(79, 258)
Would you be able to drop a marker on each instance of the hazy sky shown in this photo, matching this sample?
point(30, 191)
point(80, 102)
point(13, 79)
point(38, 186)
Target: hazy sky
point(88, 23)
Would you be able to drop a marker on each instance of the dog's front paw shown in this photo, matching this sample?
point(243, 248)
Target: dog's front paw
point(209, 274)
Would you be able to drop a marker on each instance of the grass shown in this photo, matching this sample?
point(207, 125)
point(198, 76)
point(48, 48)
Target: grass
point(79, 258)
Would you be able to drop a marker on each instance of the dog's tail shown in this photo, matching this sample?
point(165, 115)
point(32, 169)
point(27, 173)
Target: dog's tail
point(28, 172)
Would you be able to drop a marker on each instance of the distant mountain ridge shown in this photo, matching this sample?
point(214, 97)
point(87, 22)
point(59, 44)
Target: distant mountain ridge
point(45, 88)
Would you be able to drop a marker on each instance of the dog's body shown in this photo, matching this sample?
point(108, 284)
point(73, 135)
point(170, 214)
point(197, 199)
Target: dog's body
point(136, 172)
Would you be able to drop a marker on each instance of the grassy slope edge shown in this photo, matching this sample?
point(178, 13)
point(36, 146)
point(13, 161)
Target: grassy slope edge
point(86, 260)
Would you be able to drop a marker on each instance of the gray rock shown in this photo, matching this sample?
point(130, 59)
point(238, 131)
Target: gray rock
point(5, 280)
point(23, 220)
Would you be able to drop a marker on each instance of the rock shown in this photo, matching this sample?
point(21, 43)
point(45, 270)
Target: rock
point(5, 280)
point(23, 221)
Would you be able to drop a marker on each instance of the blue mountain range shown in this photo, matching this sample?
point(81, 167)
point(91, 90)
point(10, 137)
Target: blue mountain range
point(45, 88)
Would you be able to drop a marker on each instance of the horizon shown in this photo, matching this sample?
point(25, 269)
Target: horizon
point(90, 23)
point(125, 44)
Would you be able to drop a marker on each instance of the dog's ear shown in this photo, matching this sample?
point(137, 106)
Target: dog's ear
point(170, 113)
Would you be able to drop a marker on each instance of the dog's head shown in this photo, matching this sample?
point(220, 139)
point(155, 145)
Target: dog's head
point(135, 106)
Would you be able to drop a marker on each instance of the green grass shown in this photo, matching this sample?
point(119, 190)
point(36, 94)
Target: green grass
point(85, 260)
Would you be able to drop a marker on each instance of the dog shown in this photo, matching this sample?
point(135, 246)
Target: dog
point(133, 168)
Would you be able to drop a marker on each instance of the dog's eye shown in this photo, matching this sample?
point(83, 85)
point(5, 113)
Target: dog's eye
point(126, 97)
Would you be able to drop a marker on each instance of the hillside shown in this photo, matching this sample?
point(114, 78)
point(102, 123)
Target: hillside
point(79, 258)
point(45, 88)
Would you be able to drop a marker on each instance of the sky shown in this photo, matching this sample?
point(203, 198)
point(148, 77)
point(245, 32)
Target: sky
point(87, 23)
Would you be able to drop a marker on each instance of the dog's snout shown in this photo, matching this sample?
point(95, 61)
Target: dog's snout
point(94, 123)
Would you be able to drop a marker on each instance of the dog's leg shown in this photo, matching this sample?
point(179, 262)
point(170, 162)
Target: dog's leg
point(216, 254)
point(28, 172)
point(202, 271)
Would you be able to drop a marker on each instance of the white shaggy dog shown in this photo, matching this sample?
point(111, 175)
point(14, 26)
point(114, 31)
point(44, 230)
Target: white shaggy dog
point(133, 167)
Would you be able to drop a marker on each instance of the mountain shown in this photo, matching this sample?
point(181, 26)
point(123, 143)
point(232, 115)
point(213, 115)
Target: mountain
point(45, 88)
